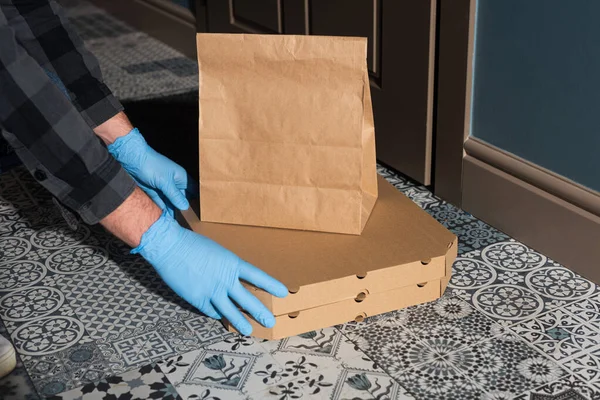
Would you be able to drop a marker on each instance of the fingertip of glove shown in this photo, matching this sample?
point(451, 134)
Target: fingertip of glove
point(212, 315)
point(280, 291)
point(183, 204)
point(245, 329)
point(268, 321)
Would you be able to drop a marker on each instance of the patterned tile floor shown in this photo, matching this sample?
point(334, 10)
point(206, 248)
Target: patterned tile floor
point(90, 321)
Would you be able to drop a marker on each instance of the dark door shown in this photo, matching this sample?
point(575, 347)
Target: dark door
point(400, 57)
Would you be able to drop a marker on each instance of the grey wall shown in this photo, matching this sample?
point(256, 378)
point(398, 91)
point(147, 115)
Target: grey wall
point(537, 83)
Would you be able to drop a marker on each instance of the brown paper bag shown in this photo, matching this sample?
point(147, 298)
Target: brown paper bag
point(286, 132)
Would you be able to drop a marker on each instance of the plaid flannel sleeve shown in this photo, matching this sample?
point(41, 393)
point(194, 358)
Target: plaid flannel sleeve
point(43, 30)
point(52, 139)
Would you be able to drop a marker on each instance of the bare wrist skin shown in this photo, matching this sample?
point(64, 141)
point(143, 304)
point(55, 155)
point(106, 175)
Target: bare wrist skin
point(110, 130)
point(132, 218)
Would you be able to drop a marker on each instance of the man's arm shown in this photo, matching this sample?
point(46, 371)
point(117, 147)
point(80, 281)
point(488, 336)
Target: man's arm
point(132, 218)
point(45, 33)
point(114, 128)
point(53, 140)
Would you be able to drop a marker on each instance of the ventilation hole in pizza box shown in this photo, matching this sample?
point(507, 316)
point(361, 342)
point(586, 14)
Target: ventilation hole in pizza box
point(425, 262)
point(421, 284)
point(362, 275)
point(360, 317)
point(294, 314)
point(294, 289)
point(360, 297)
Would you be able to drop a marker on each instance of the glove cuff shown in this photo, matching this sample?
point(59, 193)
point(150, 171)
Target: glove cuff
point(121, 147)
point(158, 239)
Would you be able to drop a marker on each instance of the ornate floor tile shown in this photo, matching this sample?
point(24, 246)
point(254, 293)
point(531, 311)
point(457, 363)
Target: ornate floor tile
point(13, 196)
point(161, 341)
point(181, 338)
point(352, 383)
point(512, 256)
point(59, 236)
point(470, 274)
point(505, 302)
point(355, 378)
point(147, 382)
point(47, 335)
point(121, 300)
point(559, 284)
point(449, 216)
point(476, 235)
point(324, 342)
point(143, 348)
point(438, 380)
point(586, 366)
point(242, 344)
point(328, 343)
point(422, 197)
point(568, 388)
point(392, 347)
point(351, 380)
point(73, 367)
point(30, 303)
point(401, 183)
point(472, 233)
point(558, 334)
point(377, 335)
point(506, 364)
point(20, 274)
point(449, 318)
point(298, 365)
point(11, 220)
point(509, 282)
point(13, 248)
point(223, 374)
point(315, 365)
point(587, 310)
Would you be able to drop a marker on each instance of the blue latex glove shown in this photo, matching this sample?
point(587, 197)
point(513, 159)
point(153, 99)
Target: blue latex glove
point(207, 275)
point(162, 179)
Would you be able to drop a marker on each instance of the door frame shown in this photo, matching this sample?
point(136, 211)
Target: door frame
point(454, 77)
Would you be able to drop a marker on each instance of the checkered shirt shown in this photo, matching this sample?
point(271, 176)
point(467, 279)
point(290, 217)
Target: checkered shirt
point(52, 133)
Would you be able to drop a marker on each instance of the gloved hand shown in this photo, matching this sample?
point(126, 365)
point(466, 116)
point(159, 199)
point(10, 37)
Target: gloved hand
point(207, 275)
point(162, 179)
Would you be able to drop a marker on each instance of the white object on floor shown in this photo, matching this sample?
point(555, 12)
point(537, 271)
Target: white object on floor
point(8, 357)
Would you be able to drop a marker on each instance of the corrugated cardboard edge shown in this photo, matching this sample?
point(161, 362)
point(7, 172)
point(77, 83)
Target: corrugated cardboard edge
point(345, 311)
point(348, 310)
point(450, 259)
point(375, 281)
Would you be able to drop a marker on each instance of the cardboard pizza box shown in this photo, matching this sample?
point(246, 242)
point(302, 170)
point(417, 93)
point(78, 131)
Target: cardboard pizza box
point(400, 248)
point(363, 306)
